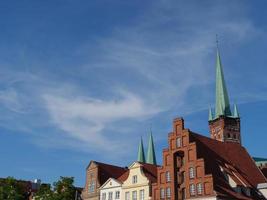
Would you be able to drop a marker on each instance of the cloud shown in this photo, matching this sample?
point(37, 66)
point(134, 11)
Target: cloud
point(84, 119)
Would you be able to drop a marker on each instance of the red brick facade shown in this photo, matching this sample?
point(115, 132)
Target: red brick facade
point(225, 129)
point(181, 170)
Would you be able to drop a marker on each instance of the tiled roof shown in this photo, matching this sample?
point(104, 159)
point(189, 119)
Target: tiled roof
point(232, 159)
point(107, 171)
point(150, 171)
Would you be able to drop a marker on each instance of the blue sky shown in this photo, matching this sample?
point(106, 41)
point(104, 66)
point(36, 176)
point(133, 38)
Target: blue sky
point(83, 80)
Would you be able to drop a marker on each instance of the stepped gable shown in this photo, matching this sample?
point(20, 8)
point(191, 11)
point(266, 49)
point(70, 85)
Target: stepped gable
point(231, 159)
point(109, 171)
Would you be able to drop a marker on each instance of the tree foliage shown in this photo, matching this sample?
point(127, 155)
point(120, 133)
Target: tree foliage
point(11, 189)
point(63, 190)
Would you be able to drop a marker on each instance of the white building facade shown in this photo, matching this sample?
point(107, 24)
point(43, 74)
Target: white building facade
point(111, 190)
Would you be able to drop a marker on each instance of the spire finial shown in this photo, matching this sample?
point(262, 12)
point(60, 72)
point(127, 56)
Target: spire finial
point(141, 154)
point(210, 114)
point(151, 156)
point(217, 41)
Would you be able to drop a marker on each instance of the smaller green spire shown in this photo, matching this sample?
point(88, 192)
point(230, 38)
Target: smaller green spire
point(210, 114)
point(141, 154)
point(236, 113)
point(151, 156)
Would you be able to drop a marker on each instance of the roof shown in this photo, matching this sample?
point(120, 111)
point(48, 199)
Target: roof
point(231, 159)
point(264, 171)
point(150, 171)
point(107, 171)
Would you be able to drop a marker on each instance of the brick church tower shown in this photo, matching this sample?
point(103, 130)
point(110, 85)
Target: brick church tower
point(224, 125)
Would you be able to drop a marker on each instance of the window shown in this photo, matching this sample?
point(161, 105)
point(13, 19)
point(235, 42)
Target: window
point(117, 195)
point(162, 193)
point(168, 192)
point(191, 173)
point(192, 189)
point(134, 195)
point(104, 196)
point(110, 195)
point(92, 186)
point(142, 194)
point(199, 188)
point(127, 195)
point(168, 177)
point(178, 142)
point(134, 180)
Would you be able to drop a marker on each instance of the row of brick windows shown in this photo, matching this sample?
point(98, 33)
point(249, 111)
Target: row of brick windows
point(110, 195)
point(167, 191)
point(196, 189)
point(134, 195)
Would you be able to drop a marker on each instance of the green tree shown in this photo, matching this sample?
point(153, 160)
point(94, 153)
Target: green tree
point(11, 189)
point(64, 189)
point(44, 193)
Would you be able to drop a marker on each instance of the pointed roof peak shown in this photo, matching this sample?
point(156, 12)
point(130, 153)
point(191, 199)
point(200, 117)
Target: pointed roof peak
point(210, 114)
point(236, 113)
point(151, 155)
point(222, 98)
point(141, 154)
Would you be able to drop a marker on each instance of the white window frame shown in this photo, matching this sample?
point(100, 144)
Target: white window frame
point(142, 194)
point(199, 188)
point(110, 195)
point(134, 195)
point(127, 195)
point(168, 192)
point(178, 142)
point(192, 189)
point(168, 176)
point(162, 193)
point(117, 195)
point(134, 179)
point(103, 196)
point(191, 172)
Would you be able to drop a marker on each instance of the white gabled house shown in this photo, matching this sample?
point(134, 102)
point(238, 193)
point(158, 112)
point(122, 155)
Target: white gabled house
point(111, 190)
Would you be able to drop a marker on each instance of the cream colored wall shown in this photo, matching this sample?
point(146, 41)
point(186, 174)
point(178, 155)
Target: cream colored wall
point(142, 183)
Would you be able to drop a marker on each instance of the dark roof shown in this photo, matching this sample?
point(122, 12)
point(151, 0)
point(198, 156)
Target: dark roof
point(264, 171)
point(230, 158)
point(107, 171)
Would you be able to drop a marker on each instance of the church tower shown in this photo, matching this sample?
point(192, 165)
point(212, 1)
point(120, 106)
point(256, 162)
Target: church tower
point(224, 125)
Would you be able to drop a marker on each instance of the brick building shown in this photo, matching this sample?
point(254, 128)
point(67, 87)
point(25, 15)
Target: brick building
point(96, 175)
point(219, 167)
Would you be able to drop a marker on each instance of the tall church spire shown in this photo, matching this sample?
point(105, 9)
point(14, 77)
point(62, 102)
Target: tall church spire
point(224, 126)
point(222, 100)
point(151, 156)
point(141, 154)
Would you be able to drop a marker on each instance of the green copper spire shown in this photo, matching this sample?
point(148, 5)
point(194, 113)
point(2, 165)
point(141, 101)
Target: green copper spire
point(236, 113)
point(151, 156)
point(222, 99)
point(210, 114)
point(141, 154)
